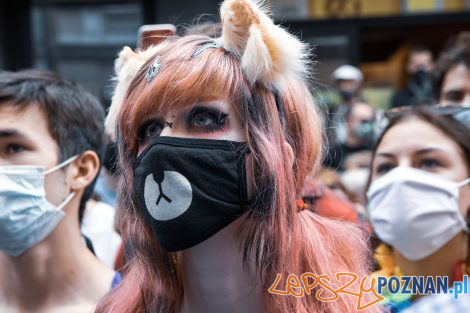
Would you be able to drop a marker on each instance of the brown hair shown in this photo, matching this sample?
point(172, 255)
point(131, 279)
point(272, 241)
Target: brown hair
point(457, 52)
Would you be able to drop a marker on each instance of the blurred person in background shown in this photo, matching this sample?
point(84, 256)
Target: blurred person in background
point(51, 136)
point(223, 132)
point(98, 219)
point(359, 122)
point(347, 81)
point(452, 73)
point(326, 196)
point(355, 176)
point(419, 197)
point(106, 185)
point(419, 89)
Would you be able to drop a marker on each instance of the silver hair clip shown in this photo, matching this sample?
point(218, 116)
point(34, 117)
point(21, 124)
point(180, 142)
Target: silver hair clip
point(153, 70)
point(204, 47)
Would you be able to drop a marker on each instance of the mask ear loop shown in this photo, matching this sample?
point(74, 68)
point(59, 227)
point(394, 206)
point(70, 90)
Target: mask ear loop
point(67, 200)
point(467, 259)
point(55, 168)
point(464, 182)
point(466, 223)
point(63, 164)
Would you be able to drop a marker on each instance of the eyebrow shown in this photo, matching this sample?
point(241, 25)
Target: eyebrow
point(419, 152)
point(387, 155)
point(7, 133)
point(427, 150)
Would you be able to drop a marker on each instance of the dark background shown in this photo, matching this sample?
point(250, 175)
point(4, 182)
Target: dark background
point(80, 39)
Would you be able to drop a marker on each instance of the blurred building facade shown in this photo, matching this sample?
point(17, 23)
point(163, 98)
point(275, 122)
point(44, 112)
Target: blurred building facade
point(80, 38)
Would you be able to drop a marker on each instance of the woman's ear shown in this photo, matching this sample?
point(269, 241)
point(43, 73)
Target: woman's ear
point(290, 153)
point(86, 168)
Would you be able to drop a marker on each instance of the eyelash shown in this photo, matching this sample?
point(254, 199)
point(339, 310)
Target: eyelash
point(219, 122)
point(384, 168)
point(219, 118)
point(430, 160)
point(142, 130)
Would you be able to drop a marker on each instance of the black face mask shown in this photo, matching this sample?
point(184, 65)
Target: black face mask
point(189, 189)
point(347, 95)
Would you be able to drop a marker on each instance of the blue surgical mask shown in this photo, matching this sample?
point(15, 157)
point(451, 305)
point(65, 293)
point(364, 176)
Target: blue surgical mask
point(26, 217)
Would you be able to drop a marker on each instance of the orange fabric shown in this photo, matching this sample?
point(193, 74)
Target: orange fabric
point(330, 204)
point(301, 205)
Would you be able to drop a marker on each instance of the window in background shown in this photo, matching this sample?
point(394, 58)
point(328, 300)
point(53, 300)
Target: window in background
point(80, 42)
point(327, 9)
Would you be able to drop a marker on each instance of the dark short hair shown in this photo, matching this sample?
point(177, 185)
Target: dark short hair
point(457, 52)
point(75, 118)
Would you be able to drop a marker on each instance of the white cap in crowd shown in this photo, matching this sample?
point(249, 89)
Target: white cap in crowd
point(347, 72)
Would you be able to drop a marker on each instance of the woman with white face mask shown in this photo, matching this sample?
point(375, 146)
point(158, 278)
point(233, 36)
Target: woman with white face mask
point(419, 194)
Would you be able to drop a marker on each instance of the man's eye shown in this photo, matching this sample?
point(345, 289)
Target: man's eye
point(455, 96)
point(14, 148)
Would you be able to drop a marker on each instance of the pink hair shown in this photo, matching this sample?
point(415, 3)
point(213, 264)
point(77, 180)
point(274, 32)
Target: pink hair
point(276, 238)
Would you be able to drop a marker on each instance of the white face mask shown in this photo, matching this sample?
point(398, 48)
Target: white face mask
point(26, 217)
point(414, 211)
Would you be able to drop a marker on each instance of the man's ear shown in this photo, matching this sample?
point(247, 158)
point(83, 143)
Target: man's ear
point(86, 168)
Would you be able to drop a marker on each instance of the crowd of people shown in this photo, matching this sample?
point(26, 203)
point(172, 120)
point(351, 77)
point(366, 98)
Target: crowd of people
point(217, 176)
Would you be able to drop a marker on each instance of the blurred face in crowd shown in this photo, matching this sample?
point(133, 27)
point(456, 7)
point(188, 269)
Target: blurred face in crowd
point(25, 140)
point(421, 60)
point(455, 88)
point(418, 144)
point(361, 113)
point(360, 123)
point(350, 85)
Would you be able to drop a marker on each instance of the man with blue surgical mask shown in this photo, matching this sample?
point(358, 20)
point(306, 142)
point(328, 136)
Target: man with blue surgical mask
point(51, 133)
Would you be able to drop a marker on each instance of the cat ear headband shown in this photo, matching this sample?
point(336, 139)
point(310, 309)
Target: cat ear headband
point(268, 53)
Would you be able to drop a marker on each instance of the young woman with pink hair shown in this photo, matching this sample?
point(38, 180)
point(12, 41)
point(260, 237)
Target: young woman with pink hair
point(216, 138)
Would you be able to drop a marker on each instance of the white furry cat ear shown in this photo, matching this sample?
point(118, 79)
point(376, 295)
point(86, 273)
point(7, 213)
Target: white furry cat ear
point(268, 53)
point(126, 67)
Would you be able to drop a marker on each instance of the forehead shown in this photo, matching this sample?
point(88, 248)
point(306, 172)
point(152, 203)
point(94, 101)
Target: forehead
point(457, 78)
point(29, 120)
point(416, 134)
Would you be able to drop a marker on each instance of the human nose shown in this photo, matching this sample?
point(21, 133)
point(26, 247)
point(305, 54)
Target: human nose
point(404, 162)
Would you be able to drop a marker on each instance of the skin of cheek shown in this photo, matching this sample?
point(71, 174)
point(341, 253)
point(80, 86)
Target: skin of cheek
point(464, 201)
